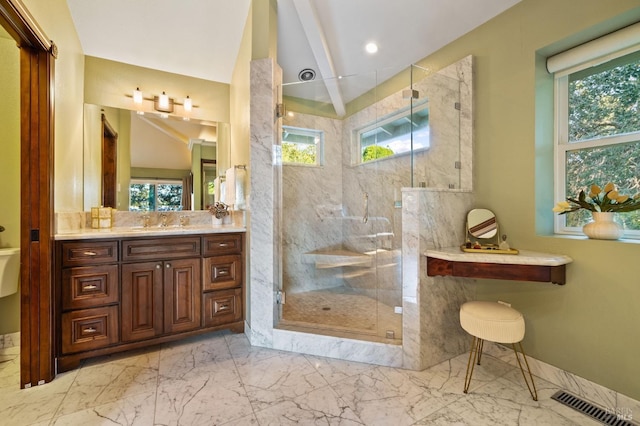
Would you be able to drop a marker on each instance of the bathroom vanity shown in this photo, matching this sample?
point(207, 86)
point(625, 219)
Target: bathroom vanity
point(127, 289)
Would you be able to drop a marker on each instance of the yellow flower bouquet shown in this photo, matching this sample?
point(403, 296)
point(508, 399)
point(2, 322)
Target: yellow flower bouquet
point(600, 200)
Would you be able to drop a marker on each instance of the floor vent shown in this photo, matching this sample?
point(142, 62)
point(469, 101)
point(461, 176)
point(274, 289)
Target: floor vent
point(607, 417)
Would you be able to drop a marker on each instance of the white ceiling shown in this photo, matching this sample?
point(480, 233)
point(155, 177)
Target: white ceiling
point(201, 38)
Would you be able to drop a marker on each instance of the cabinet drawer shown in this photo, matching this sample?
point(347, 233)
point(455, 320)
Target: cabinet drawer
point(222, 244)
point(89, 253)
point(222, 307)
point(89, 286)
point(222, 272)
point(160, 248)
point(88, 329)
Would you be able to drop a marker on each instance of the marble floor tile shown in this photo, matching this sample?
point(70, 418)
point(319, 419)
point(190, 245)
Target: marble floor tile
point(220, 379)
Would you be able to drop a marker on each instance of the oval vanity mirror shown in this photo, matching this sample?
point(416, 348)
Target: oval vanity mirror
point(482, 224)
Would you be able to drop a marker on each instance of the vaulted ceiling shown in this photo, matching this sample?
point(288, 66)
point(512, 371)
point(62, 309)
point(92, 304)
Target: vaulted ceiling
point(201, 38)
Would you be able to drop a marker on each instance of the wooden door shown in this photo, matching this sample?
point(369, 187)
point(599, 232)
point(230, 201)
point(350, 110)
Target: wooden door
point(182, 295)
point(109, 164)
point(37, 54)
point(141, 300)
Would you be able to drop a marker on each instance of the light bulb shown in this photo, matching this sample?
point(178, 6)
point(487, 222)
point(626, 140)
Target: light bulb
point(163, 101)
point(188, 104)
point(137, 96)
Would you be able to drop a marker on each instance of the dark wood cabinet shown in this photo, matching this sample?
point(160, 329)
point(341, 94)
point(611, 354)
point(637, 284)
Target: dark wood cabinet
point(89, 293)
point(117, 295)
point(182, 295)
point(142, 300)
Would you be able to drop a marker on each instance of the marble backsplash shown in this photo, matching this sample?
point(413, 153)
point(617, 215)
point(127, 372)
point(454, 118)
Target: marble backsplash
point(77, 221)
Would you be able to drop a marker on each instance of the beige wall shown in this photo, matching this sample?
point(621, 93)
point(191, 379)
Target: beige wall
point(9, 168)
point(589, 326)
point(210, 97)
point(239, 107)
point(54, 18)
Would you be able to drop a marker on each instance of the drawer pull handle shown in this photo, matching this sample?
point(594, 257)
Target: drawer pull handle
point(223, 308)
point(89, 287)
point(168, 265)
point(224, 244)
point(90, 330)
point(223, 272)
point(90, 253)
point(158, 266)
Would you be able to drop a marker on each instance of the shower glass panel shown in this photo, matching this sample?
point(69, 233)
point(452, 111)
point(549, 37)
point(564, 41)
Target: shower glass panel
point(349, 146)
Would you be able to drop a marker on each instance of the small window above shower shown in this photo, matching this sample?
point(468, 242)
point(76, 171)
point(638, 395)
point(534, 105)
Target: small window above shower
point(302, 146)
point(405, 130)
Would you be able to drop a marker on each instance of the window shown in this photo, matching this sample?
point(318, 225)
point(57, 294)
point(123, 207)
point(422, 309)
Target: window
point(598, 134)
point(302, 146)
point(392, 135)
point(165, 195)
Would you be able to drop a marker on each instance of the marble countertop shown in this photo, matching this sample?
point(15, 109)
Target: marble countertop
point(151, 231)
point(525, 257)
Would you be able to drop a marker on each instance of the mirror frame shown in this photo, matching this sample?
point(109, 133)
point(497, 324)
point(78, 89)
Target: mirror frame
point(488, 219)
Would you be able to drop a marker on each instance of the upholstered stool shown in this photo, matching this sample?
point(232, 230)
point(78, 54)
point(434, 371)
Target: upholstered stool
point(495, 322)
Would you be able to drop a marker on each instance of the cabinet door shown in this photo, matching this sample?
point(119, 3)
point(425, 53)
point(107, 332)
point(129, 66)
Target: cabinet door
point(222, 307)
point(141, 300)
point(222, 272)
point(87, 329)
point(182, 293)
point(89, 286)
point(215, 245)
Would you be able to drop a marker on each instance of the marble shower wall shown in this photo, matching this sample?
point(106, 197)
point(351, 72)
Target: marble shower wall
point(312, 210)
point(431, 324)
point(264, 225)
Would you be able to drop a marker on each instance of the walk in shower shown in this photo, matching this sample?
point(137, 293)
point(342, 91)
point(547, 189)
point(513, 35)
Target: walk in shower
point(348, 146)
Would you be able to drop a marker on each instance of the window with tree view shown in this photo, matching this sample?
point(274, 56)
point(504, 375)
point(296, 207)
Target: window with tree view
point(401, 132)
point(599, 134)
point(302, 146)
point(161, 196)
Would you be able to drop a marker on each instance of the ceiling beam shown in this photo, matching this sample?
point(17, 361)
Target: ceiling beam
point(317, 41)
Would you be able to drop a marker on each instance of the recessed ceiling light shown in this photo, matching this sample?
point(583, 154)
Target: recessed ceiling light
point(371, 47)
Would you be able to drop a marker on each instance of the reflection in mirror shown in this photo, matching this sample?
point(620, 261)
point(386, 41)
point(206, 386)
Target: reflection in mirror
point(153, 152)
point(209, 174)
point(482, 224)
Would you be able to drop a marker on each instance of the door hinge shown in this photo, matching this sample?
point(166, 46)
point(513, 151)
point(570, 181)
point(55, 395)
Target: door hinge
point(457, 106)
point(281, 297)
point(458, 165)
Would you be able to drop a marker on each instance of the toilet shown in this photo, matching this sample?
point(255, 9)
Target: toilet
point(9, 270)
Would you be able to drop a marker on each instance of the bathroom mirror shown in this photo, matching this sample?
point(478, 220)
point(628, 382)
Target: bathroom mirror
point(482, 224)
point(482, 231)
point(154, 149)
point(483, 234)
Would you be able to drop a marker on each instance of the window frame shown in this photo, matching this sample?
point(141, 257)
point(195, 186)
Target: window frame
point(305, 132)
point(406, 112)
point(155, 182)
point(562, 145)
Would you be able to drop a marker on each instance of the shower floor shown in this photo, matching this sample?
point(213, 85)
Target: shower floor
point(341, 312)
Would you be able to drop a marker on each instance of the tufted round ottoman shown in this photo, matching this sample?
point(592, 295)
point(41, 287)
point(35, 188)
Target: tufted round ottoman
point(495, 322)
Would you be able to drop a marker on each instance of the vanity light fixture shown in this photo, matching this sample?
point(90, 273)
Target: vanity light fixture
point(163, 103)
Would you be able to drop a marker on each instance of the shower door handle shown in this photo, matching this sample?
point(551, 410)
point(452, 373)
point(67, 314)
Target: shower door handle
point(365, 197)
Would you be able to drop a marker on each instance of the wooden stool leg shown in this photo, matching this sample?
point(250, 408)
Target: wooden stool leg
point(532, 386)
point(474, 357)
